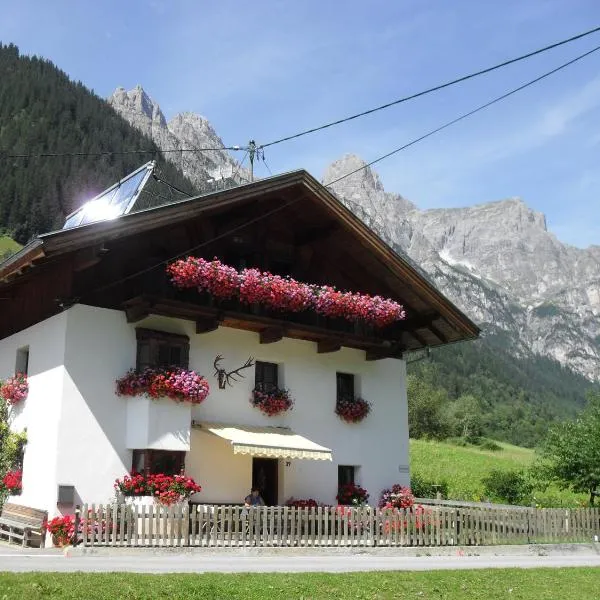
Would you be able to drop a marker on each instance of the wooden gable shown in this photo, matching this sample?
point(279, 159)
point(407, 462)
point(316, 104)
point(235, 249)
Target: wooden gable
point(289, 224)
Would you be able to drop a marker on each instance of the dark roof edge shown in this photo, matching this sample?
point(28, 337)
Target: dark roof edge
point(22, 257)
point(57, 241)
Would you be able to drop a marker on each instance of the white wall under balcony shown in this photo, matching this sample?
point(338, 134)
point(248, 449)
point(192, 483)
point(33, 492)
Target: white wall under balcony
point(160, 424)
point(39, 414)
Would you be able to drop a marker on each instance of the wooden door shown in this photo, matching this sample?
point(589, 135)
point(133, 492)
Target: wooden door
point(265, 478)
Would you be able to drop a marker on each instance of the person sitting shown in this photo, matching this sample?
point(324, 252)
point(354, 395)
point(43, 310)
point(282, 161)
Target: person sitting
point(254, 498)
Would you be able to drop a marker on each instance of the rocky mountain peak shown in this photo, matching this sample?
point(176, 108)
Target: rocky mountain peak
point(137, 105)
point(497, 260)
point(365, 179)
point(208, 171)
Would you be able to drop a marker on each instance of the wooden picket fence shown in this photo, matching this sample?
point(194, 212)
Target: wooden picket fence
point(235, 526)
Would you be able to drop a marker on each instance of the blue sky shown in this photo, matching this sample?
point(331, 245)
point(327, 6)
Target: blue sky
point(268, 68)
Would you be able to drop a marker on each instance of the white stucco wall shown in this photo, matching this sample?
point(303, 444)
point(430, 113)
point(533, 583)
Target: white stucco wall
point(81, 440)
point(92, 452)
point(40, 413)
point(378, 445)
point(158, 424)
point(225, 477)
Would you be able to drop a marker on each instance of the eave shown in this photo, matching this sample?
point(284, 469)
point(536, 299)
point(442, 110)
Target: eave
point(433, 320)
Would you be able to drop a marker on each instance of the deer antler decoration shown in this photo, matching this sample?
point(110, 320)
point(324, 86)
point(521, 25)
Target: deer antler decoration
point(226, 378)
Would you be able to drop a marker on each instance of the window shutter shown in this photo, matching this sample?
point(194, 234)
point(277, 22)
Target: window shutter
point(266, 376)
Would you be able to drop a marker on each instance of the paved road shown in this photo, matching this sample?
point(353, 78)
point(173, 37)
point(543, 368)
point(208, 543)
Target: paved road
point(197, 563)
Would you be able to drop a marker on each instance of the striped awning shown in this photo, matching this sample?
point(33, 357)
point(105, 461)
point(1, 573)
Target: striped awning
point(274, 442)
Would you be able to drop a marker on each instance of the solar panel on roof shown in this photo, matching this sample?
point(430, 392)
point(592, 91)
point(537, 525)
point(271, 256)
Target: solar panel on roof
point(114, 202)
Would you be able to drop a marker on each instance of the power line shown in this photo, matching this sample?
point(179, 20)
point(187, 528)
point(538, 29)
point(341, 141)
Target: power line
point(170, 185)
point(194, 248)
point(465, 115)
point(266, 165)
point(433, 89)
point(237, 171)
point(4, 154)
point(297, 199)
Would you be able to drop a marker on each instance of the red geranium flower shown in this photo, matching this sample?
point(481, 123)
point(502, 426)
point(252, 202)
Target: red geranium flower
point(273, 402)
point(172, 382)
point(282, 293)
point(15, 389)
point(13, 482)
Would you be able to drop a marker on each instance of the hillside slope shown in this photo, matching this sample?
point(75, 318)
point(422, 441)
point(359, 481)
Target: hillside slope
point(42, 111)
point(464, 468)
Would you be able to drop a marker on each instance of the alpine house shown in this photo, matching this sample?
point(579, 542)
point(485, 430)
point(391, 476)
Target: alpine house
point(249, 337)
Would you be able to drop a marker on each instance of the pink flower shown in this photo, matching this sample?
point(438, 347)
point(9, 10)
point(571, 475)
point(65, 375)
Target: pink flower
point(15, 389)
point(282, 293)
point(172, 382)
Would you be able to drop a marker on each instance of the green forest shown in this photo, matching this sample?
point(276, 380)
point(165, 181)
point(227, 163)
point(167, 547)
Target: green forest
point(43, 112)
point(479, 388)
point(466, 390)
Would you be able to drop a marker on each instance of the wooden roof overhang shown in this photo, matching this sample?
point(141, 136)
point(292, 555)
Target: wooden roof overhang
point(120, 264)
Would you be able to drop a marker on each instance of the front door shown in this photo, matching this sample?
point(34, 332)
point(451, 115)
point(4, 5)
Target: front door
point(264, 477)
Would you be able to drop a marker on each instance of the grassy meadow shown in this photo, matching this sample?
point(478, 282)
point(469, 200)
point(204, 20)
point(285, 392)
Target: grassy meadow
point(464, 468)
point(8, 245)
point(491, 584)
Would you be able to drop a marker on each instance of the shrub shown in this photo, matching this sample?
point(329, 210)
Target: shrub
point(486, 444)
point(428, 488)
point(511, 487)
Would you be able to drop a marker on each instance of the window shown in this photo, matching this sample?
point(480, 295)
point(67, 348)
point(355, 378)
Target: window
point(346, 474)
point(22, 363)
point(345, 386)
point(266, 378)
point(168, 462)
point(161, 349)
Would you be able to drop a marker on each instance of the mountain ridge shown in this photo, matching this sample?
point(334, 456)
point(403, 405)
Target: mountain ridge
point(507, 247)
point(186, 131)
point(496, 260)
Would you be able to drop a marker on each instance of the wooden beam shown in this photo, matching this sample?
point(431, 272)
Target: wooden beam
point(271, 335)
point(419, 338)
point(88, 257)
point(438, 334)
point(316, 234)
point(326, 346)
point(381, 353)
point(206, 324)
point(137, 312)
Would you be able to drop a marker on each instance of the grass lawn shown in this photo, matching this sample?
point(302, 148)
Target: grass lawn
point(464, 467)
point(491, 584)
point(7, 243)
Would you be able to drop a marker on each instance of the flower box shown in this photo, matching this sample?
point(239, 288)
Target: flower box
point(282, 294)
point(180, 385)
point(352, 410)
point(273, 402)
